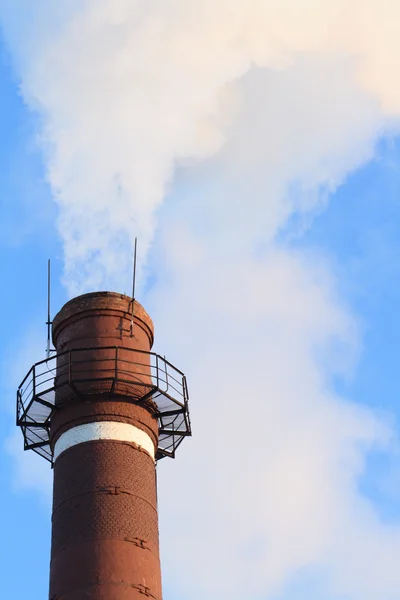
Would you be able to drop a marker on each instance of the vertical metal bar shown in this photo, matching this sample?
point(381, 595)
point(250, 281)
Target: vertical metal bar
point(133, 284)
point(134, 271)
point(166, 374)
point(48, 322)
point(18, 404)
point(158, 380)
point(34, 381)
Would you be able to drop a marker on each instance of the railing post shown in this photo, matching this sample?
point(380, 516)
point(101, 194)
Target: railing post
point(166, 374)
point(18, 405)
point(158, 382)
point(34, 381)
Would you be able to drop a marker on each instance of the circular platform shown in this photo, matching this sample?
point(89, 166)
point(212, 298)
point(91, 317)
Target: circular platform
point(113, 375)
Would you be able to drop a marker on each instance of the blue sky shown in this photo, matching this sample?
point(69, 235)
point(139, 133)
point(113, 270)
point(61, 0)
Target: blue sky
point(358, 236)
point(26, 523)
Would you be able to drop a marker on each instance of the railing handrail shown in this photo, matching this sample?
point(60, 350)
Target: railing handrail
point(86, 349)
point(40, 377)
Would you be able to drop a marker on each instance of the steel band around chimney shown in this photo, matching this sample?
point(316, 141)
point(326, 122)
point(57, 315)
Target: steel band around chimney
point(104, 430)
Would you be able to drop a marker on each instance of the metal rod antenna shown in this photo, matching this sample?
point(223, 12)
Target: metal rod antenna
point(133, 283)
point(48, 322)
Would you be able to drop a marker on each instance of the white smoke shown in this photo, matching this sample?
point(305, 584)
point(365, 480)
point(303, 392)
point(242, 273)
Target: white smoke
point(127, 90)
point(242, 114)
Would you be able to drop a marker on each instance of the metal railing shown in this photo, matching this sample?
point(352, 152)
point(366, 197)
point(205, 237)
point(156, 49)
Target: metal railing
point(138, 376)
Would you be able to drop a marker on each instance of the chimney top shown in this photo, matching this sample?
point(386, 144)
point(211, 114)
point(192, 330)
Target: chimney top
point(102, 302)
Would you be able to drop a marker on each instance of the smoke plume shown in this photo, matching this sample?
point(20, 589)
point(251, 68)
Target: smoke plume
point(129, 90)
point(206, 128)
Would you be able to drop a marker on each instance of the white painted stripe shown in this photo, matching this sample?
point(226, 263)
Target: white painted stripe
point(103, 430)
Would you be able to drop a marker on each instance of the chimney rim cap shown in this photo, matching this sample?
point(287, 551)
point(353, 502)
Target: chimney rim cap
point(91, 299)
